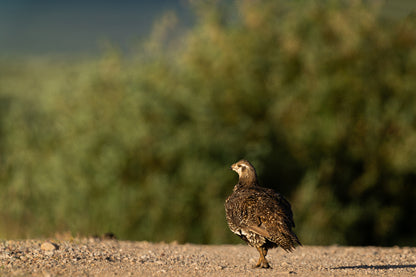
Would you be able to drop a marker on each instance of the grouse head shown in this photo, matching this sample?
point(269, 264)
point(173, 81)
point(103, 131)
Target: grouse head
point(246, 172)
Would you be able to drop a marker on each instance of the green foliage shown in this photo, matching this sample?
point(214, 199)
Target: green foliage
point(320, 97)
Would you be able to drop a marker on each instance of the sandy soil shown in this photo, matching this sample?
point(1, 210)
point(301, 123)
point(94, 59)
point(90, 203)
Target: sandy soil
point(94, 257)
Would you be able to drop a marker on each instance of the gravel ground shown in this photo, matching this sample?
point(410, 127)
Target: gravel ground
point(95, 257)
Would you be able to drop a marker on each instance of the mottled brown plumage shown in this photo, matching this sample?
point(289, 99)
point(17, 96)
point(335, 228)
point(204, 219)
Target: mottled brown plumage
point(260, 216)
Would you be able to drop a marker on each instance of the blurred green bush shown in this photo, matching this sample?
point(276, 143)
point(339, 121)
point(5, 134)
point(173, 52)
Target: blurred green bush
point(320, 97)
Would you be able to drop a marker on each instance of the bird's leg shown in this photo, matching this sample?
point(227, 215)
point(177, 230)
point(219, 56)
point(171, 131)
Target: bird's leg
point(265, 263)
point(262, 259)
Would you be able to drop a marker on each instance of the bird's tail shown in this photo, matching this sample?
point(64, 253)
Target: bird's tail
point(289, 241)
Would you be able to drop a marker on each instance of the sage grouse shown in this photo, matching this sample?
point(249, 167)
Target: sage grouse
point(258, 215)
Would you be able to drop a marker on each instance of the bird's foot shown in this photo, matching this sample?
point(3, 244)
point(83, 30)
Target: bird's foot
point(257, 265)
point(262, 264)
point(265, 264)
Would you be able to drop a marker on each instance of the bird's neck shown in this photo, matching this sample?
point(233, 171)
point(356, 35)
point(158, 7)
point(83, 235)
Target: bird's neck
point(248, 180)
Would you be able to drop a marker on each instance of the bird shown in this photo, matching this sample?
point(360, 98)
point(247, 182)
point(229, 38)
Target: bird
point(260, 216)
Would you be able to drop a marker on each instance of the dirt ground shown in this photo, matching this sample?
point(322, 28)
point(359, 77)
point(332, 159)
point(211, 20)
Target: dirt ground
point(94, 257)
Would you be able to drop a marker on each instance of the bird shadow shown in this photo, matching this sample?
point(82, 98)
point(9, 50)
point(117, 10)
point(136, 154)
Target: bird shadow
point(387, 266)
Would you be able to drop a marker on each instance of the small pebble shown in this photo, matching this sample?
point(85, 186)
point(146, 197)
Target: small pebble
point(48, 246)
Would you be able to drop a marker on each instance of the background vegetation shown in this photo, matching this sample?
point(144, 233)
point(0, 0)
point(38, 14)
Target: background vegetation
point(320, 97)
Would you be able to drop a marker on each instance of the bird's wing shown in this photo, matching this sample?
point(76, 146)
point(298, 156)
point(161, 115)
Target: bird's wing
point(260, 230)
point(279, 206)
point(267, 213)
point(251, 216)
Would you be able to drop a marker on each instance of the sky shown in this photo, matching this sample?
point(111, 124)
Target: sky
point(64, 27)
point(33, 27)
